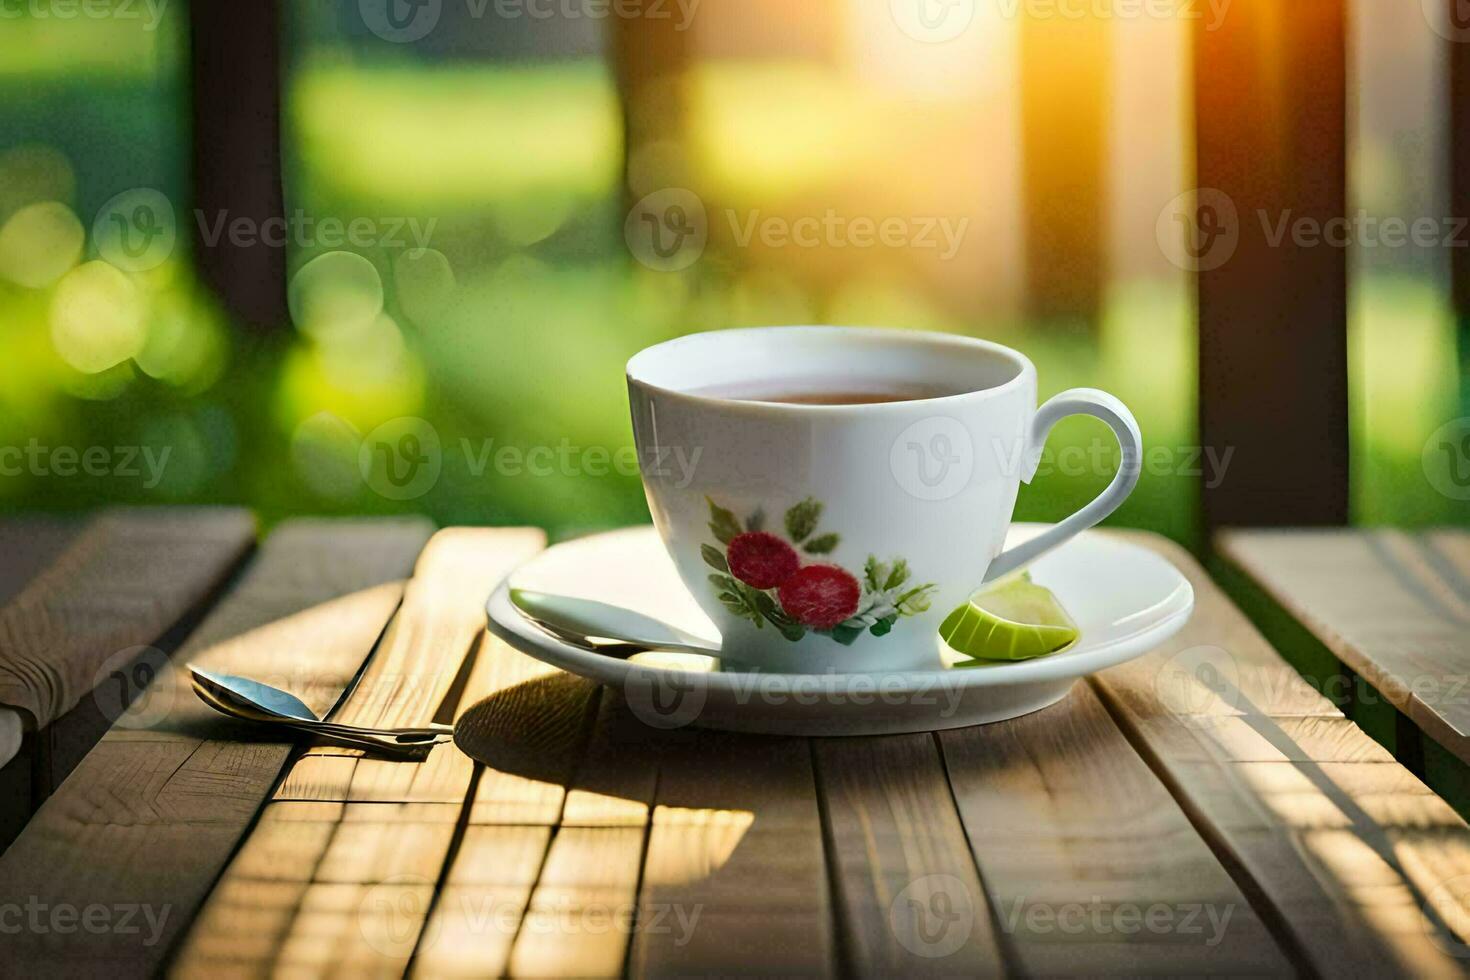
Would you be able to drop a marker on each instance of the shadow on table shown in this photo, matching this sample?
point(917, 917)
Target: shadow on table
point(727, 810)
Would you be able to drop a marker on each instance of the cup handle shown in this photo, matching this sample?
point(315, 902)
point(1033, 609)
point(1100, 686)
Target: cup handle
point(1078, 401)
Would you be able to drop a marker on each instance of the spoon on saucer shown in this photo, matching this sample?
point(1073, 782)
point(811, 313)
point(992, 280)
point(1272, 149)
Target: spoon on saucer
point(583, 621)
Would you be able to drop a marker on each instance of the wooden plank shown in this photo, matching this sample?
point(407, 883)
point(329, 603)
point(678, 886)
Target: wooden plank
point(119, 586)
point(368, 882)
point(30, 543)
point(1092, 866)
point(1392, 606)
point(616, 783)
point(1270, 110)
point(580, 916)
point(89, 605)
point(578, 920)
point(736, 852)
point(480, 908)
point(909, 898)
point(443, 615)
point(504, 693)
point(1342, 848)
point(527, 725)
point(152, 814)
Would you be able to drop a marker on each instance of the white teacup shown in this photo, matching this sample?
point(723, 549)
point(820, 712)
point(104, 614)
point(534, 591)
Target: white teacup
point(837, 537)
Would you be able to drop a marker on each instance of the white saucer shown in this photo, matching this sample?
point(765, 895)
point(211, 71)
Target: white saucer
point(1125, 599)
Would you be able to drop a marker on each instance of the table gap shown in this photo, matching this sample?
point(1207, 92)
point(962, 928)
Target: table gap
point(841, 953)
point(1273, 917)
point(1004, 941)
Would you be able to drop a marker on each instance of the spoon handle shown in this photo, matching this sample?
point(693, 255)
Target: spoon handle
point(422, 732)
point(405, 736)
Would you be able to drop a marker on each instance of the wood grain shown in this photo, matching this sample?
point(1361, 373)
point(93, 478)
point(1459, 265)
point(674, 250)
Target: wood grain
point(527, 725)
point(578, 920)
point(736, 850)
point(480, 908)
point(121, 583)
point(616, 782)
point(581, 916)
point(443, 615)
point(909, 899)
point(1392, 606)
point(76, 596)
point(1343, 848)
point(30, 543)
point(368, 873)
point(153, 813)
point(1091, 865)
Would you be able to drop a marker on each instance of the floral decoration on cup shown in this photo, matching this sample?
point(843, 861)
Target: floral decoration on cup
point(765, 578)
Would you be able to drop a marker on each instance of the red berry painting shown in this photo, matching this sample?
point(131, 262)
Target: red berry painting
point(761, 559)
point(821, 596)
point(792, 584)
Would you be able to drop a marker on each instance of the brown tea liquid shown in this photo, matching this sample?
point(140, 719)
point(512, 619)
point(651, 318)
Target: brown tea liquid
point(832, 392)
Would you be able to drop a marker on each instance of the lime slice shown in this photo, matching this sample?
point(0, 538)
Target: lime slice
point(1014, 619)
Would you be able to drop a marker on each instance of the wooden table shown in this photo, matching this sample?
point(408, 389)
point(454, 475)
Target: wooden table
point(1392, 607)
point(1201, 809)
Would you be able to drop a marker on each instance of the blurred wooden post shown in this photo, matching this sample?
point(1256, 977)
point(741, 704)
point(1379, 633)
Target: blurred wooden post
point(1065, 68)
point(651, 53)
point(235, 87)
point(1270, 107)
point(1459, 133)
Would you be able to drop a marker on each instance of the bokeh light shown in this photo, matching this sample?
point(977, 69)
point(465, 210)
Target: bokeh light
point(370, 357)
point(361, 391)
point(335, 295)
point(526, 221)
point(185, 344)
point(98, 318)
point(39, 243)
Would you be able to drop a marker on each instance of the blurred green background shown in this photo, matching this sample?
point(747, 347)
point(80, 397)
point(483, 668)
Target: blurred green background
point(510, 324)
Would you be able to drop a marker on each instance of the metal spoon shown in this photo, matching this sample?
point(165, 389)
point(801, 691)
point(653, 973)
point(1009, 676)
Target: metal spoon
point(371, 743)
point(274, 704)
point(221, 701)
point(583, 622)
